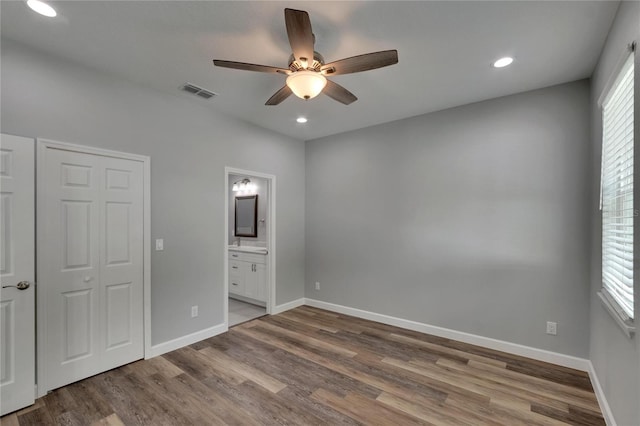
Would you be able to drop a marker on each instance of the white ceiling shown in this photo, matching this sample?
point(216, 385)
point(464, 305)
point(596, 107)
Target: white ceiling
point(444, 48)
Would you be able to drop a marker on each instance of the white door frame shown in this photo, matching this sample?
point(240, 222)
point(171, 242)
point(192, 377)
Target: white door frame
point(271, 240)
point(41, 149)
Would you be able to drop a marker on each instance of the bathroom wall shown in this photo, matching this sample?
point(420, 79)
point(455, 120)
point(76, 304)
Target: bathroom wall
point(263, 203)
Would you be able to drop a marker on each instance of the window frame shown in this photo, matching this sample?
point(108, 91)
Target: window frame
point(613, 307)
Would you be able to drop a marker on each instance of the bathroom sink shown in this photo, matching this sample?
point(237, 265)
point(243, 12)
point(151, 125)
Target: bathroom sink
point(249, 249)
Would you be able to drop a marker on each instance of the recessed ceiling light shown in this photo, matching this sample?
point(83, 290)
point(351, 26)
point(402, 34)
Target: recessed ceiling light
point(301, 120)
point(503, 62)
point(41, 8)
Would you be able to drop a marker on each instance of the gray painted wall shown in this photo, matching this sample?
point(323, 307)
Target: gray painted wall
point(471, 218)
point(615, 357)
point(189, 145)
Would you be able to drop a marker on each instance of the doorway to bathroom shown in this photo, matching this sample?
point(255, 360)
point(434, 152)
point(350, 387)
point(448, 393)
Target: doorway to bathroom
point(249, 265)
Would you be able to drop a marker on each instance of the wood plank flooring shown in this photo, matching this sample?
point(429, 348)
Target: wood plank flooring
point(313, 367)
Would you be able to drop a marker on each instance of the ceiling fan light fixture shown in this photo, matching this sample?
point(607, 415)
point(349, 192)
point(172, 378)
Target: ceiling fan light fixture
point(42, 8)
point(503, 62)
point(307, 68)
point(306, 84)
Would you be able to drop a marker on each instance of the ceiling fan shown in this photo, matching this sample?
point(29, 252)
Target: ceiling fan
point(307, 72)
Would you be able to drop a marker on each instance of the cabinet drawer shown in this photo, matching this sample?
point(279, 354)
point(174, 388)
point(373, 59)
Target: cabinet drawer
point(247, 257)
point(236, 286)
point(235, 269)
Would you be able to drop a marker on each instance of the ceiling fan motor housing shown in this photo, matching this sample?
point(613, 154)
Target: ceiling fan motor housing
point(318, 62)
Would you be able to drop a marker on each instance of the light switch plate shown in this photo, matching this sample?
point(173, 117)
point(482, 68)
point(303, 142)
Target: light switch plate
point(159, 244)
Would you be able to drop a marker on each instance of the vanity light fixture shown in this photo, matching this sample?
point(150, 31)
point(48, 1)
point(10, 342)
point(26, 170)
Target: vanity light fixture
point(42, 8)
point(301, 120)
point(503, 62)
point(244, 186)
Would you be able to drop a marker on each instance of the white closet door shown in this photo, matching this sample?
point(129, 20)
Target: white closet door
point(92, 264)
point(121, 260)
point(17, 254)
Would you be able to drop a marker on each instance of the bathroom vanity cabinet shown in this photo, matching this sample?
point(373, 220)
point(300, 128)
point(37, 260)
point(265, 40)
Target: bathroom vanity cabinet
point(248, 277)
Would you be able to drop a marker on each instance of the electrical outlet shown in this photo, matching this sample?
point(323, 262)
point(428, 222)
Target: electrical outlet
point(159, 244)
point(552, 328)
point(317, 285)
point(194, 311)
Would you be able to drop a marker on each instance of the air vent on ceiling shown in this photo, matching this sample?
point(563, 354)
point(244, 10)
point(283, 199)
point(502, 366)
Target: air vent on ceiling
point(198, 91)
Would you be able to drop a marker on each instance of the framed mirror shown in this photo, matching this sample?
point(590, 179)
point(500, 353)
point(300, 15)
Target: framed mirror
point(246, 216)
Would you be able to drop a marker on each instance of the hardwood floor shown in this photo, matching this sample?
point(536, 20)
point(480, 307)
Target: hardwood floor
point(313, 367)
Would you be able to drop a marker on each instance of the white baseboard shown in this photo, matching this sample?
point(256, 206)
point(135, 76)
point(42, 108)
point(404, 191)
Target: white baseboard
point(602, 400)
point(189, 339)
point(499, 345)
point(192, 338)
point(286, 306)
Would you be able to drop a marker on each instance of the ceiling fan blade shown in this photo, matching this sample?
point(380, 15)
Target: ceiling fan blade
point(300, 34)
point(368, 61)
point(249, 67)
point(339, 93)
point(279, 96)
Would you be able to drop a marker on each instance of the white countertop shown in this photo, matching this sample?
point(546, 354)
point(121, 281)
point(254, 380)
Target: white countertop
point(249, 249)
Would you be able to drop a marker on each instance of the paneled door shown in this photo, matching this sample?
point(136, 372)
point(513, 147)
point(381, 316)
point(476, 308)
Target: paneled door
point(91, 243)
point(17, 273)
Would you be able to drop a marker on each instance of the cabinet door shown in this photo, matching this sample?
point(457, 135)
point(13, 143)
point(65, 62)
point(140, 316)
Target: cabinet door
point(251, 281)
point(261, 279)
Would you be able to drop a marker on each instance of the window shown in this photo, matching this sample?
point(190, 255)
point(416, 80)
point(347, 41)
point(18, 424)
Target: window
point(617, 195)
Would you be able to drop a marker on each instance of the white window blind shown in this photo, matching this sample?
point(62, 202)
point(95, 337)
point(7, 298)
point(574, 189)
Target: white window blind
point(617, 190)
